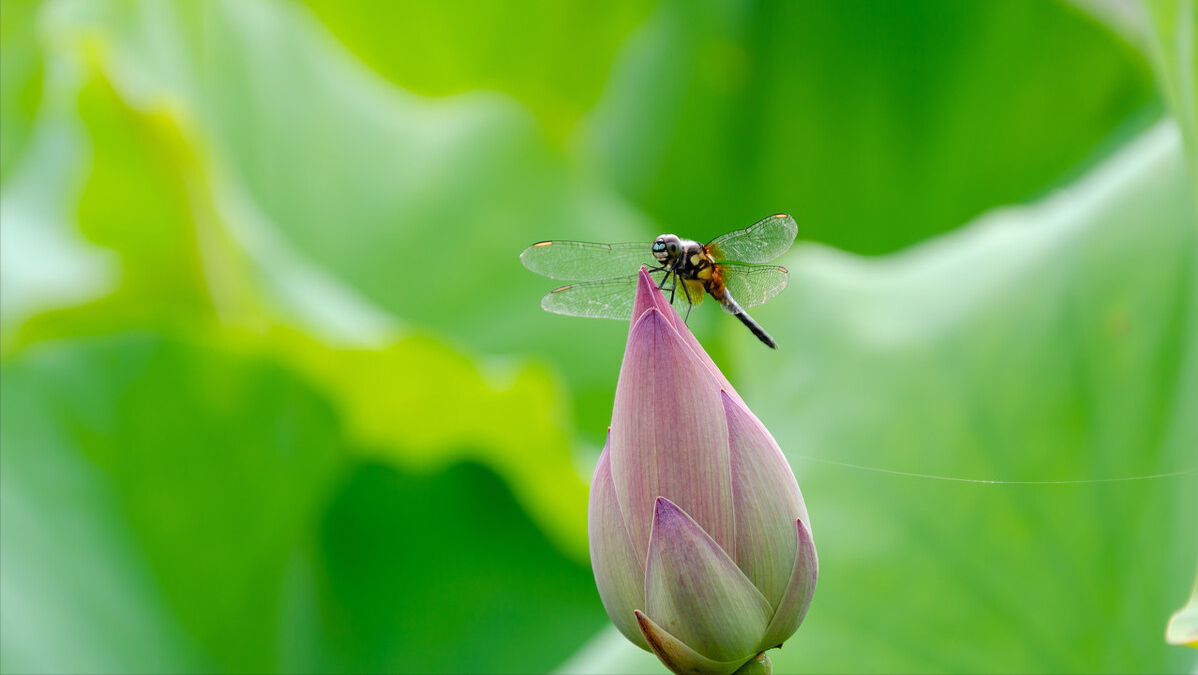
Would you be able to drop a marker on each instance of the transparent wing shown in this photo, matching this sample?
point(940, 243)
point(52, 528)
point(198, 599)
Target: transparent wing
point(761, 242)
point(611, 298)
point(752, 285)
point(584, 261)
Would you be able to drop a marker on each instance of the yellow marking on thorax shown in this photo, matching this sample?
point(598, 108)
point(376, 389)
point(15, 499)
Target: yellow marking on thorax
point(703, 264)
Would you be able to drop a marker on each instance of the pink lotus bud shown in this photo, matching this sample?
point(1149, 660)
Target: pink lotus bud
point(699, 536)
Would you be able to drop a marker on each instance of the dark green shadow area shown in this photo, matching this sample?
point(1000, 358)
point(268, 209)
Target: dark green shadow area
point(444, 574)
point(162, 499)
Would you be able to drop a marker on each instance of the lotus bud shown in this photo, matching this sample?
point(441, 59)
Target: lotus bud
point(699, 536)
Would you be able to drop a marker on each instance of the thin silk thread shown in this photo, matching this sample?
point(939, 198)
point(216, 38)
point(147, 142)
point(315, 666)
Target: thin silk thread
point(911, 474)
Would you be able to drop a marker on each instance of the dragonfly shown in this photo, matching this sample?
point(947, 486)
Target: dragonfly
point(731, 268)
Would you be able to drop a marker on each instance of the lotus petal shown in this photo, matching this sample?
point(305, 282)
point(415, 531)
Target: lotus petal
point(668, 435)
point(695, 590)
point(647, 296)
point(619, 574)
point(797, 598)
point(766, 500)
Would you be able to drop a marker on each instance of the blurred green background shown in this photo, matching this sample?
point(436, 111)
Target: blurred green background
point(277, 395)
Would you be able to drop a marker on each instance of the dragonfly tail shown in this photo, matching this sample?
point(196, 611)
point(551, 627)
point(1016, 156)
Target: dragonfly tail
point(756, 329)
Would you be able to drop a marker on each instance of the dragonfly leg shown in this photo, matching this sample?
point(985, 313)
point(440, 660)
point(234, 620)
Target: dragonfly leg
point(689, 303)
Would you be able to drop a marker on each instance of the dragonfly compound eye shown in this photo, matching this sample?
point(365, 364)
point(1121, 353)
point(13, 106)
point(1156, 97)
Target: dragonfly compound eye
point(659, 250)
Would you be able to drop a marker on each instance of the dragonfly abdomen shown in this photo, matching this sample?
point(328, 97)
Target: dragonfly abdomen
point(721, 294)
point(756, 329)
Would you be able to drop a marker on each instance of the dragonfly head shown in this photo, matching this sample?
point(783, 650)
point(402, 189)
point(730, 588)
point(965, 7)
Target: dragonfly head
point(666, 247)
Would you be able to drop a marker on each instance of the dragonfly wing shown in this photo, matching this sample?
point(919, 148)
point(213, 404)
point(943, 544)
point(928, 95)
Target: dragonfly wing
point(752, 285)
point(612, 298)
point(584, 261)
point(761, 242)
point(606, 299)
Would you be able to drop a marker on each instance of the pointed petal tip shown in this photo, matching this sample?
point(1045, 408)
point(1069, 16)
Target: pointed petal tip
point(807, 542)
point(644, 315)
point(647, 295)
point(666, 514)
point(663, 505)
point(668, 518)
point(807, 556)
point(653, 344)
